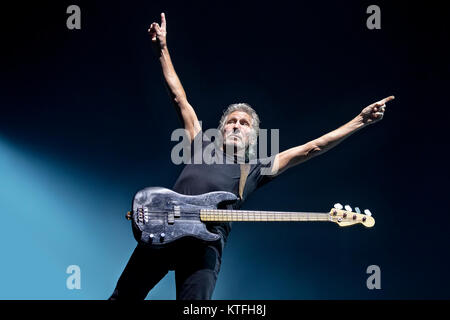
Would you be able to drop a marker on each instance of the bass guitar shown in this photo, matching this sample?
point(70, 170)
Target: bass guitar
point(161, 216)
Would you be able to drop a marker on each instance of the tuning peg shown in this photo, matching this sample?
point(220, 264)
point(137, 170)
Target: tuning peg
point(338, 206)
point(348, 208)
point(357, 210)
point(367, 212)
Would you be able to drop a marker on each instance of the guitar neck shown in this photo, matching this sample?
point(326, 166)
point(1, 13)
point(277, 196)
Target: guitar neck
point(245, 215)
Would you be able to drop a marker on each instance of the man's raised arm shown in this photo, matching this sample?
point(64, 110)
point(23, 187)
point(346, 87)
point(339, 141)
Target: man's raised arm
point(176, 92)
point(291, 157)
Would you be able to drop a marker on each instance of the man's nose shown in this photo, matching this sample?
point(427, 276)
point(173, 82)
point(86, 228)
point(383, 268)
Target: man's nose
point(236, 125)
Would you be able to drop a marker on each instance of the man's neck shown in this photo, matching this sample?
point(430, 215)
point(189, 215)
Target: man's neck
point(235, 152)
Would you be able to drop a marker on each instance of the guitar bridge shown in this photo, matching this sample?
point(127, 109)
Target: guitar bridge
point(146, 216)
point(140, 215)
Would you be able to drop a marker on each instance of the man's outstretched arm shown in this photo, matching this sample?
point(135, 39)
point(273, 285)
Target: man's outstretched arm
point(291, 157)
point(176, 92)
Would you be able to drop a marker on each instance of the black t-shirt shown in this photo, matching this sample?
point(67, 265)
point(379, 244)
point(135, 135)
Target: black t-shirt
point(201, 178)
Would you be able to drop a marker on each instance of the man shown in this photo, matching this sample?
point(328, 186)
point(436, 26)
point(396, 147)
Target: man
point(197, 265)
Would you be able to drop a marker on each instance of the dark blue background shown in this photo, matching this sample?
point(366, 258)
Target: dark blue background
point(86, 121)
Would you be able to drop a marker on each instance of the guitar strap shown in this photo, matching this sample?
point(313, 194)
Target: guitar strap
point(245, 168)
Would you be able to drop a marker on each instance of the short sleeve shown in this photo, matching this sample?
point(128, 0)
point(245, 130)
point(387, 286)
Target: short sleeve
point(263, 171)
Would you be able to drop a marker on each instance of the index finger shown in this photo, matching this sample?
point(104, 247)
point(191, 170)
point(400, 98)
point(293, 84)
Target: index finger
point(163, 20)
point(383, 101)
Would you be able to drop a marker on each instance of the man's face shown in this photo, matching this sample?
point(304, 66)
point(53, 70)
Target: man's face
point(238, 126)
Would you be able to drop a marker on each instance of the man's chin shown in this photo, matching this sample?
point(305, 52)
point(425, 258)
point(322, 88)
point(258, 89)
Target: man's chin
point(232, 145)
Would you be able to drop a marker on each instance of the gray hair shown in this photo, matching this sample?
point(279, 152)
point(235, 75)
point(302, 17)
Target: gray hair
point(244, 107)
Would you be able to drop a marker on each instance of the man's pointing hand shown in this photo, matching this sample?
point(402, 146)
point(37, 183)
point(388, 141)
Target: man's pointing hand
point(157, 33)
point(374, 112)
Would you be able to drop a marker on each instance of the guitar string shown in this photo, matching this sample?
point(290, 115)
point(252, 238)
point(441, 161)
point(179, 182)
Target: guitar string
point(239, 216)
point(261, 216)
point(221, 212)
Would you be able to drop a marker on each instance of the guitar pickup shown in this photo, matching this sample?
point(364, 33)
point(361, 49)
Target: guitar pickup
point(172, 215)
point(170, 218)
point(176, 211)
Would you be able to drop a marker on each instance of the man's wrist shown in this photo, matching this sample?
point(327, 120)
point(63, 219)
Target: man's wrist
point(163, 46)
point(358, 122)
point(159, 49)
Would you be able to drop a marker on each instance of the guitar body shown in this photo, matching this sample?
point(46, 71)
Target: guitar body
point(161, 216)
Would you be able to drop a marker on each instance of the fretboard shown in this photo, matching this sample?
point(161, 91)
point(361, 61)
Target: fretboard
point(244, 215)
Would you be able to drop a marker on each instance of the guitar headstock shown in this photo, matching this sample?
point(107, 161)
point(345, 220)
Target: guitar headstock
point(347, 217)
